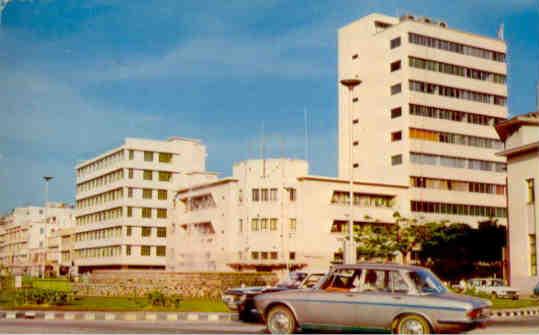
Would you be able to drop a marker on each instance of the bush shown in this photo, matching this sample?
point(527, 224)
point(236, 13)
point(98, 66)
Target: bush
point(38, 296)
point(159, 299)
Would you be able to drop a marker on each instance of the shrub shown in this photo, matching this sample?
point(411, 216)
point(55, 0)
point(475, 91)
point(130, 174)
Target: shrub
point(38, 296)
point(159, 299)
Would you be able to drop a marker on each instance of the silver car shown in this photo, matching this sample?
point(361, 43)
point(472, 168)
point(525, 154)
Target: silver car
point(373, 297)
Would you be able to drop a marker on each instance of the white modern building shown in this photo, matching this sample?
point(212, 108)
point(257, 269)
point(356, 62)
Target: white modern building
point(123, 201)
point(25, 234)
point(521, 137)
point(423, 114)
point(272, 215)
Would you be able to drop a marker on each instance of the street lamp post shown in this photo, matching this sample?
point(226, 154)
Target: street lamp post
point(349, 244)
point(45, 242)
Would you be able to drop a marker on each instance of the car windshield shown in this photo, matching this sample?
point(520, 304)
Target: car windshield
point(426, 282)
point(497, 282)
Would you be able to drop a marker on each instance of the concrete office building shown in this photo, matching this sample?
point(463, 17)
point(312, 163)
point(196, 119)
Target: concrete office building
point(123, 201)
point(521, 136)
point(423, 115)
point(24, 235)
point(272, 215)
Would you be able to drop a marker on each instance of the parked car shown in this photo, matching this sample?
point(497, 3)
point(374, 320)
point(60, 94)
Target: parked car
point(242, 299)
point(373, 297)
point(536, 290)
point(493, 286)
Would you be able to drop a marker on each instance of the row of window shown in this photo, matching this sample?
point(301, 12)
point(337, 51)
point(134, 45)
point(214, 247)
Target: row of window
point(264, 224)
point(267, 255)
point(151, 175)
point(264, 194)
point(101, 181)
point(446, 114)
point(362, 200)
point(458, 209)
point(148, 193)
point(149, 156)
point(456, 162)
point(106, 215)
point(160, 232)
point(455, 185)
point(438, 136)
point(456, 70)
point(100, 252)
point(146, 250)
point(107, 233)
point(147, 212)
point(102, 198)
point(102, 163)
point(456, 47)
point(457, 93)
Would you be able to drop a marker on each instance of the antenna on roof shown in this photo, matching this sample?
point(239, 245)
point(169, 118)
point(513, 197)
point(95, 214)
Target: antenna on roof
point(501, 30)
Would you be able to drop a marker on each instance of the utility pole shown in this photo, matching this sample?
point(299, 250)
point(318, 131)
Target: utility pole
point(45, 242)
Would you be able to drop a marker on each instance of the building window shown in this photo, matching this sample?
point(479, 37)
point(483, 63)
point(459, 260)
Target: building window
point(146, 212)
point(128, 231)
point(355, 99)
point(254, 254)
point(396, 89)
point(292, 225)
point(147, 175)
point(273, 194)
point(396, 160)
point(129, 212)
point(533, 254)
point(164, 176)
point(273, 255)
point(254, 224)
point(264, 255)
point(145, 250)
point(147, 193)
point(130, 173)
point(161, 251)
point(256, 194)
point(148, 156)
point(240, 225)
point(396, 112)
point(395, 43)
point(162, 232)
point(264, 194)
point(162, 194)
point(273, 224)
point(355, 165)
point(161, 213)
point(396, 136)
point(129, 192)
point(355, 56)
point(165, 157)
point(131, 155)
point(355, 121)
point(264, 224)
point(292, 255)
point(531, 190)
point(395, 66)
point(128, 250)
point(355, 143)
point(146, 231)
point(292, 194)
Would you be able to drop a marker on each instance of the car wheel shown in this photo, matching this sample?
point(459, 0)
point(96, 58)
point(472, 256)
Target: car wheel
point(413, 324)
point(280, 320)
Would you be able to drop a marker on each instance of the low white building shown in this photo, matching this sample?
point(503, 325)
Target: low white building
point(521, 136)
point(272, 215)
point(26, 232)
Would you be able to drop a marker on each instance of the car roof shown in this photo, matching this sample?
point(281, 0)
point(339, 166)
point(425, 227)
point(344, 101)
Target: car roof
point(385, 266)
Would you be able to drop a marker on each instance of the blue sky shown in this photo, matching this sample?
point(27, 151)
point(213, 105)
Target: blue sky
point(79, 76)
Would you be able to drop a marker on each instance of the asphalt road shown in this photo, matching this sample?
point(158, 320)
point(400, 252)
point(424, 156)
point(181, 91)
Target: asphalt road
point(529, 326)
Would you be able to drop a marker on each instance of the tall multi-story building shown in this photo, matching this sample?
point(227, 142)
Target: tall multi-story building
point(26, 232)
point(521, 137)
point(123, 200)
point(423, 114)
point(271, 215)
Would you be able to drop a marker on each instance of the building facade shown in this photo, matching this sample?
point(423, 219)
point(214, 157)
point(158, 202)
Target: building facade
point(272, 215)
point(423, 115)
point(521, 136)
point(123, 200)
point(25, 236)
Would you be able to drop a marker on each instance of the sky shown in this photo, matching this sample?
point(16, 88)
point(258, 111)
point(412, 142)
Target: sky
point(78, 76)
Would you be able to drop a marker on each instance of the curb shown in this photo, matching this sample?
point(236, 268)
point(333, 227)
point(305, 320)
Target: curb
point(118, 316)
point(516, 313)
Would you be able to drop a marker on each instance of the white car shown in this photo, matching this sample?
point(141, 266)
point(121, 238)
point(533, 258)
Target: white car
point(495, 287)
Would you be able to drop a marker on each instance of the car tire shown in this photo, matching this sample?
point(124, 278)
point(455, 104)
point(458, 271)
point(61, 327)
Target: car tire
point(280, 320)
point(412, 324)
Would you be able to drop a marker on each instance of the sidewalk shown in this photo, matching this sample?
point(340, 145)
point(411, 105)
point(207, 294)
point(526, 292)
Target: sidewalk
point(118, 316)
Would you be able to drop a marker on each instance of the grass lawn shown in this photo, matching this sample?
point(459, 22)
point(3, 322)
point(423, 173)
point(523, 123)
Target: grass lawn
point(52, 284)
point(117, 304)
point(520, 303)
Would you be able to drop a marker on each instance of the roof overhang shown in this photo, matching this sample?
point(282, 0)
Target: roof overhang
point(519, 150)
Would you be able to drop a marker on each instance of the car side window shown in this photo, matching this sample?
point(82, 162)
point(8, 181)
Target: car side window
point(397, 284)
point(375, 281)
point(345, 280)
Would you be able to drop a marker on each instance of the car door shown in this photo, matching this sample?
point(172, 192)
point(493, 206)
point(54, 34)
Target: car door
point(383, 293)
point(334, 305)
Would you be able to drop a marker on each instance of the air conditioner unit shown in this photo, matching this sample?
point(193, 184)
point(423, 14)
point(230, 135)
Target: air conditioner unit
point(442, 24)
